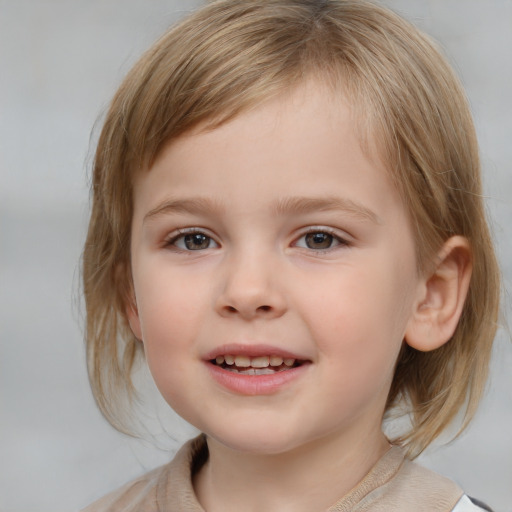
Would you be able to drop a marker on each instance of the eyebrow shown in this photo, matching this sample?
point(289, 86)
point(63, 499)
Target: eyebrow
point(194, 205)
point(294, 205)
point(300, 205)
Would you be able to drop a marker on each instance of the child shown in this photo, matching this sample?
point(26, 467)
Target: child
point(287, 221)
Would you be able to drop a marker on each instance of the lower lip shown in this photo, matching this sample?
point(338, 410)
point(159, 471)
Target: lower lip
point(253, 385)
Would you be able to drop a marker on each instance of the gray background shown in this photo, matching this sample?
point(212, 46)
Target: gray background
point(61, 61)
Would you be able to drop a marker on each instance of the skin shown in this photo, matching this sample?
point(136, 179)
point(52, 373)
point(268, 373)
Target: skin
point(259, 278)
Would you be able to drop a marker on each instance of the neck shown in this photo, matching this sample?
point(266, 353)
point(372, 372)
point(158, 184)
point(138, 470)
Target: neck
point(311, 477)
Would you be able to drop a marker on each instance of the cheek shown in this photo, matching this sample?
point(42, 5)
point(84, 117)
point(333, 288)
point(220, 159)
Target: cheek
point(168, 301)
point(360, 322)
point(170, 316)
point(169, 355)
point(364, 300)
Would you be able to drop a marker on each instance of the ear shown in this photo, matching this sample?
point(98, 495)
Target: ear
point(442, 294)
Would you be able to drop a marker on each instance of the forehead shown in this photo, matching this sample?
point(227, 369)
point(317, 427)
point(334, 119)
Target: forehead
point(289, 103)
point(303, 140)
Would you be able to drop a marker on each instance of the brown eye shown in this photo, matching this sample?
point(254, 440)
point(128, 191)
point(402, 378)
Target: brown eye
point(196, 241)
point(319, 240)
point(193, 241)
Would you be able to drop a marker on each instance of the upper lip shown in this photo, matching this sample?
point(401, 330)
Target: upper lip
point(252, 350)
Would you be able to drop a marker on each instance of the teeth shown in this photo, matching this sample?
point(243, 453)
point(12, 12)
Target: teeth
point(242, 361)
point(260, 362)
point(253, 371)
point(276, 361)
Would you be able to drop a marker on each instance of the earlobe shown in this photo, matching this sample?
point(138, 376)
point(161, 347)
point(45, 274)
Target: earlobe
point(443, 293)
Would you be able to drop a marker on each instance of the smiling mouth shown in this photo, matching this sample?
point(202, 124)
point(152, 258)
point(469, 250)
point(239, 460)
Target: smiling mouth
point(261, 365)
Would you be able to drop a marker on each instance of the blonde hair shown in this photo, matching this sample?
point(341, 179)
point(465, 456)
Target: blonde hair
point(232, 55)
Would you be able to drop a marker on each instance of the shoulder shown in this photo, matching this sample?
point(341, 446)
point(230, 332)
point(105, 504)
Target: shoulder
point(395, 483)
point(168, 487)
point(138, 494)
point(415, 487)
point(439, 490)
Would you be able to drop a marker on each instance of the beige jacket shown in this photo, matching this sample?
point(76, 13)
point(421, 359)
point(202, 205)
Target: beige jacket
point(393, 484)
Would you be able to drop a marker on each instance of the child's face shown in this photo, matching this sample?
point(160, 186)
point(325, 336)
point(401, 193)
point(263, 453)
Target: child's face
point(273, 237)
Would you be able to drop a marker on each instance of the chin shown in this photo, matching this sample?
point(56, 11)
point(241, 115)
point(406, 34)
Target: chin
point(266, 440)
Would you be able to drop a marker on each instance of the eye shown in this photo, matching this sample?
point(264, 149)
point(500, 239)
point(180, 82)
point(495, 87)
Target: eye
point(319, 241)
point(192, 241)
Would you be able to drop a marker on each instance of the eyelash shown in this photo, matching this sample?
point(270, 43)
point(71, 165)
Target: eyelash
point(183, 234)
point(335, 238)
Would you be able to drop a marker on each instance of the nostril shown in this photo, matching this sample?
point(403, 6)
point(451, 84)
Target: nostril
point(249, 309)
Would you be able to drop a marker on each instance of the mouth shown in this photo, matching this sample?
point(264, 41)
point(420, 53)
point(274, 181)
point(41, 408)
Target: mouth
point(259, 365)
point(252, 370)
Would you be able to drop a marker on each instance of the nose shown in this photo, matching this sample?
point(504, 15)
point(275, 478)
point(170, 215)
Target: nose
point(251, 289)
